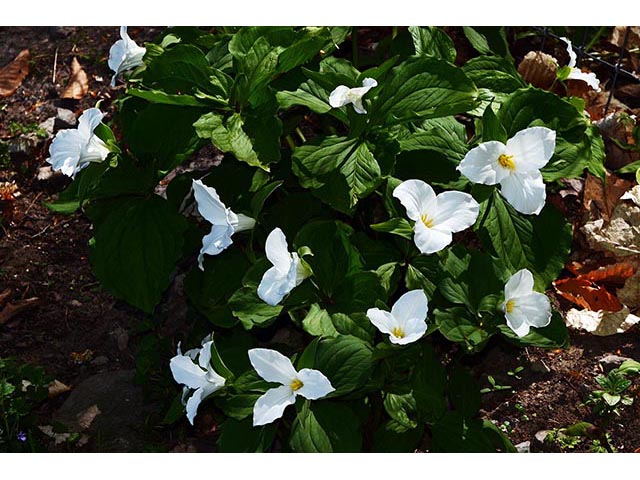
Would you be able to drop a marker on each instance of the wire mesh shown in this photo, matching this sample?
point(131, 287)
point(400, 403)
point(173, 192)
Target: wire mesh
point(616, 70)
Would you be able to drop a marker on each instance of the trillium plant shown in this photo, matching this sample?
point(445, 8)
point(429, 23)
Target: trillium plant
point(348, 230)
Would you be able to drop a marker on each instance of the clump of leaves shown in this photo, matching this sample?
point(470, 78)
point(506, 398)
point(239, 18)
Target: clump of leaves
point(22, 388)
point(613, 396)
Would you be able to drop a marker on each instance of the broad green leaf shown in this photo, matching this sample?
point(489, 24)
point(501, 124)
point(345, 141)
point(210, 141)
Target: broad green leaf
point(356, 293)
point(250, 309)
point(488, 40)
point(456, 434)
point(423, 88)
point(242, 437)
point(432, 41)
point(554, 335)
point(318, 323)
point(136, 244)
point(325, 427)
point(496, 78)
point(401, 408)
point(492, 129)
point(340, 171)
point(464, 392)
point(456, 325)
point(539, 243)
point(396, 226)
point(428, 381)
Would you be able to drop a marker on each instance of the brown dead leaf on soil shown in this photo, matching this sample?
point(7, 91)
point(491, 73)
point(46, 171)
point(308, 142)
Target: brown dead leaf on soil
point(587, 294)
point(8, 194)
point(57, 388)
point(12, 74)
point(601, 323)
point(618, 34)
point(86, 417)
point(78, 85)
point(604, 197)
point(539, 69)
point(10, 310)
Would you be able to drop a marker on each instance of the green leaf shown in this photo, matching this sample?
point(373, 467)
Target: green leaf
point(539, 243)
point(250, 309)
point(496, 77)
point(401, 408)
point(325, 427)
point(261, 196)
point(390, 439)
point(356, 293)
point(464, 392)
point(424, 272)
point(423, 88)
point(432, 41)
point(488, 40)
point(340, 171)
point(347, 362)
point(456, 434)
point(256, 63)
point(238, 406)
point(492, 129)
point(318, 323)
point(242, 437)
point(396, 226)
point(455, 324)
point(428, 381)
point(554, 335)
point(136, 244)
point(158, 96)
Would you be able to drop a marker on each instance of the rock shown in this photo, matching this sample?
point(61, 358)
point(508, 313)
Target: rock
point(48, 126)
point(541, 435)
point(524, 447)
point(100, 361)
point(114, 404)
point(65, 119)
point(75, 303)
point(614, 360)
point(22, 147)
point(44, 173)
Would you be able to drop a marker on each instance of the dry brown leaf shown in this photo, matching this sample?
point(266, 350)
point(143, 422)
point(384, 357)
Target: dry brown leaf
point(81, 357)
point(587, 294)
point(621, 236)
point(615, 274)
point(538, 69)
point(12, 74)
point(604, 197)
point(78, 85)
point(58, 388)
point(618, 34)
point(12, 309)
point(86, 417)
point(601, 323)
point(629, 294)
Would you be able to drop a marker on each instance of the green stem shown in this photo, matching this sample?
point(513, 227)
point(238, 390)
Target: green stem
point(354, 45)
point(301, 135)
point(290, 142)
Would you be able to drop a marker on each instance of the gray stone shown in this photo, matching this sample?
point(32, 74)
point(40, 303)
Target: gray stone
point(48, 126)
point(615, 360)
point(65, 119)
point(524, 447)
point(541, 435)
point(120, 424)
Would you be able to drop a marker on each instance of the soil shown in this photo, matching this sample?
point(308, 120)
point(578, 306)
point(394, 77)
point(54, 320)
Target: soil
point(76, 330)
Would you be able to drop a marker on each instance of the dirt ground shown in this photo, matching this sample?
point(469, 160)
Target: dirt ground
point(75, 330)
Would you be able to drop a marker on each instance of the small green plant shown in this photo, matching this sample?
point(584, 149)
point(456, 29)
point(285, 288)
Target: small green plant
point(22, 388)
point(17, 128)
point(494, 386)
point(613, 396)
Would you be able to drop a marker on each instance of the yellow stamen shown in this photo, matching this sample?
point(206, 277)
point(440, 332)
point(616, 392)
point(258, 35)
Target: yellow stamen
point(510, 306)
point(506, 161)
point(296, 385)
point(428, 222)
point(398, 332)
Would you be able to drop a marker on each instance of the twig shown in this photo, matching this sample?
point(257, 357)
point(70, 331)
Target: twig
point(11, 310)
point(55, 63)
point(41, 232)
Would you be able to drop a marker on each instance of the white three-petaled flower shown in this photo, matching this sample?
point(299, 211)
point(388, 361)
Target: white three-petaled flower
point(436, 217)
point(198, 377)
point(577, 74)
point(406, 321)
point(74, 149)
point(523, 308)
point(343, 95)
point(275, 367)
point(225, 222)
point(125, 54)
point(515, 166)
point(287, 272)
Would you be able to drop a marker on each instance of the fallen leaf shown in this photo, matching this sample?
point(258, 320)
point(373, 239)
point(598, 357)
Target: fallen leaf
point(618, 34)
point(633, 195)
point(539, 69)
point(604, 197)
point(601, 323)
point(620, 236)
point(7, 200)
point(57, 388)
point(629, 294)
point(12, 309)
point(587, 294)
point(86, 417)
point(12, 74)
point(616, 274)
point(81, 357)
point(78, 85)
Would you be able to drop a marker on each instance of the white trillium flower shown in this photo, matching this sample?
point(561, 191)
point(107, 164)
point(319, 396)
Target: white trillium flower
point(406, 322)
point(274, 367)
point(194, 371)
point(343, 95)
point(124, 55)
point(74, 149)
point(523, 308)
point(225, 222)
point(577, 74)
point(287, 272)
point(436, 217)
point(515, 166)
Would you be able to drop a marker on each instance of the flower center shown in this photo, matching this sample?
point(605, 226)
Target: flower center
point(428, 222)
point(510, 306)
point(397, 332)
point(506, 161)
point(296, 385)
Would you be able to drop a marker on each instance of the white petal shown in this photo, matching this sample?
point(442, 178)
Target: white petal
point(414, 195)
point(588, 77)
point(240, 222)
point(271, 405)
point(185, 372)
point(215, 242)
point(532, 148)
point(411, 305)
point(277, 251)
point(520, 283)
point(480, 164)
point(272, 365)
point(414, 329)
point(65, 152)
point(88, 122)
point(193, 403)
point(430, 240)
point(274, 286)
point(382, 320)
point(205, 355)
point(535, 308)
point(516, 323)
point(339, 96)
point(455, 211)
point(117, 54)
point(298, 269)
point(315, 384)
point(525, 192)
point(572, 55)
point(358, 106)
point(369, 83)
point(209, 204)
